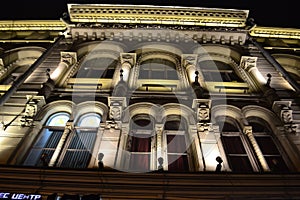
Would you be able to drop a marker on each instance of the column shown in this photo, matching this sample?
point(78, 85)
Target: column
point(128, 60)
point(248, 131)
point(189, 63)
point(68, 129)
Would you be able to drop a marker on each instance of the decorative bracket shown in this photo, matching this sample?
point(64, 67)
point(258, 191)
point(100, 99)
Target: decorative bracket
point(116, 105)
point(69, 58)
point(202, 108)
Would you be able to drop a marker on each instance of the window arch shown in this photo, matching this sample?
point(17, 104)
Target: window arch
point(43, 149)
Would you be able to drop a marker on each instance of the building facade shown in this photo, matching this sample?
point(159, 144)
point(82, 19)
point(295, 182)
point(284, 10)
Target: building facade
point(149, 102)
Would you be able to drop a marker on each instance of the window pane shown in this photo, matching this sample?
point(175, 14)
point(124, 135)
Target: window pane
point(267, 145)
point(240, 163)
point(76, 159)
point(176, 144)
point(139, 162)
point(276, 164)
point(178, 163)
point(172, 75)
point(59, 119)
point(144, 124)
point(89, 120)
point(233, 145)
point(141, 143)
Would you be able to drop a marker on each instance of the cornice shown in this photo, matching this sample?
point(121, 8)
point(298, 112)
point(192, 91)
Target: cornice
point(32, 25)
point(164, 15)
point(275, 32)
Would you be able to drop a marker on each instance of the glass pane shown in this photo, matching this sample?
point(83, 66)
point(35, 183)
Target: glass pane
point(139, 162)
point(76, 159)
point(227, 127)
point(172, 75)
point(174, 125)
point(144, 124)
point(158, 74)
point(267, 145)
point(59, 119)
point(178, 163)
point(176, 144)
point(233, 145)
point(276, 164)
point(259, 128)
point(89, 120)
point(240, 164)
point(141, 143)
point(83, 140)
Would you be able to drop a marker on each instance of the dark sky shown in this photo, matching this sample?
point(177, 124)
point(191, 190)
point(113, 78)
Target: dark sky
point(276, 13)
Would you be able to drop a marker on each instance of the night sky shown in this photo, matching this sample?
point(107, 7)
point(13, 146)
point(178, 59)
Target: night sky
point(271, 13)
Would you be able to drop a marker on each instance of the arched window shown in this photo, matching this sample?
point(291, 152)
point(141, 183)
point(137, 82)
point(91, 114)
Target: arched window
point(43, 149)
point(158, 68)
point(235, 146)
point(139, 143)
point(78, 151)
point(99, 67)
point(217, 71)
point(268, 146)
point(177, 146)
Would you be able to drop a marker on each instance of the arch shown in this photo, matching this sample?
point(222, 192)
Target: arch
point(54, 107)
point(141, 108)
point(90, 47)
point(89, 120)
point(22, 53)
point(263, 113)
point(291, 63)
point(17, 61)
point(184, 111)
point(91, 107)
point(225, 51)
point(146, 48)
point(228, 111)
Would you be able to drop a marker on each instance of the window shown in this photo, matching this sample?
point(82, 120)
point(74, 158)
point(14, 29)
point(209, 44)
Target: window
point(78, 152)
point(140, 140)
point(43, 149)
point(97, 68)
point(217, 71)
point(235, 147)
point(268, 147)
point(177, 147)
point(158, 69)
point(77, 148)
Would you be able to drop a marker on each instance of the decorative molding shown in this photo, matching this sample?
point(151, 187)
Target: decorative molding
point(275, 32)
point(32, 25)
point(139, 14)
